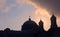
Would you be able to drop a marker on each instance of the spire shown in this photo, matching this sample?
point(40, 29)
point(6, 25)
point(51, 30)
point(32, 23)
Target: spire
point(53, 17)
point(29, 18)
point(41, 24)
point(53, 21)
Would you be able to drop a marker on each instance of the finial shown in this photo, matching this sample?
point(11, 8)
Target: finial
point(53, 16)
point(29, 18)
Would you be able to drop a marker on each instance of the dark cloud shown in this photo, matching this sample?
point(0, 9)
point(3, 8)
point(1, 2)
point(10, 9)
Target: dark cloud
point(51, 5)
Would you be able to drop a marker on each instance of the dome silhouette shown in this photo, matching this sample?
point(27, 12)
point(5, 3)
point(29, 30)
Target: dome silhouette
point(7, 29)
point(28, 25)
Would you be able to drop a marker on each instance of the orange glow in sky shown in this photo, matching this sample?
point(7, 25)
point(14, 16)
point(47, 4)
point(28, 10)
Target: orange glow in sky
point(41, 14)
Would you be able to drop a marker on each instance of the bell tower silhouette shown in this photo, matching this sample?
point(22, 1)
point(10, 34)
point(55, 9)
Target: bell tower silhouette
point(41, 24)
point(53, 22)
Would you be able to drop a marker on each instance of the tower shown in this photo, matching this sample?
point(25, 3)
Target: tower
point(42, 32)
point(41, 24)
point(53, 22)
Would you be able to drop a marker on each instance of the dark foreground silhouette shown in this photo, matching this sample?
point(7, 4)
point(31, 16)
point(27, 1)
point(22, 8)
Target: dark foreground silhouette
point(31, 29)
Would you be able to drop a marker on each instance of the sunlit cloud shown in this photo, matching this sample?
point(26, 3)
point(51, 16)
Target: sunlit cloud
point(58, 21)
point(39, 12)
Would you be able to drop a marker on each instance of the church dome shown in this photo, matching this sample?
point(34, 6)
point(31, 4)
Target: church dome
point(29, 25)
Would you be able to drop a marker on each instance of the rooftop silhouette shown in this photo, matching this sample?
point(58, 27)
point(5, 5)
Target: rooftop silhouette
point(31, 29)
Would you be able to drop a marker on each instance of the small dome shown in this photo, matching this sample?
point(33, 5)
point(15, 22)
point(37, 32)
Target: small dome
point(29, 25)
point(7, 29)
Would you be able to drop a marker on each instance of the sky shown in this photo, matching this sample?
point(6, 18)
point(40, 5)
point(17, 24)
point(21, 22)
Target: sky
point(13, 13)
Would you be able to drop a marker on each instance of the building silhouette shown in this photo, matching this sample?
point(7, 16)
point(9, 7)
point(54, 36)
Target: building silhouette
point(53, 22)
point(42, 32)
point(54, 31)
point(31, 29)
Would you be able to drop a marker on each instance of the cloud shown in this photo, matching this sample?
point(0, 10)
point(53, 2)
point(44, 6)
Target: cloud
point(25, 2)
point(53, 6)
point(6, 5)
point(20, 1)
point(2, 2)
point(6, 10)
point(46, 7)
